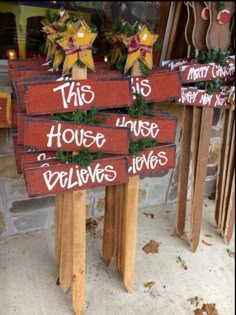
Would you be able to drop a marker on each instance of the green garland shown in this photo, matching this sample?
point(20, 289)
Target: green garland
point(137, 146)
point(140, 107)
point(80, 116)
point(210, 86)
point(83, 158)
point(213, 55)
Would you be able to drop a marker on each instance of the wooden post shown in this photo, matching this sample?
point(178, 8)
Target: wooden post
point(130, 208)
point(185, 153)
point(200, 177)
point(70, 234)
point(79, 231)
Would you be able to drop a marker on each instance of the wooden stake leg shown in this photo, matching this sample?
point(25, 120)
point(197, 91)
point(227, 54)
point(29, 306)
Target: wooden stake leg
point(221, 166)
point(58, 225)
point(229, 181)
point(130, 231)
point(230, 219)
point(201, 169)
point(184, 169)
point(108, 228)
point(65, 267)
point(79, 250)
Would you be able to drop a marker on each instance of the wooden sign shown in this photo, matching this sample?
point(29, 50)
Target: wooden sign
point(16, 74)
point(14, 63)
point(160, 127)
point(69, 96)
point(18, 84)
point(156, 87)
point(176, 63)
point(5, 110)
point(71, 177)
point(18, 149)
point(15, 111)
point(48, 135)
point(18, 87)
point(205, 72)
point(196, 97)
point(152, 160)
point(32, 156)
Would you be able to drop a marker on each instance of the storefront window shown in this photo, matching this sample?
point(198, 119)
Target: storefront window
point(21, 27)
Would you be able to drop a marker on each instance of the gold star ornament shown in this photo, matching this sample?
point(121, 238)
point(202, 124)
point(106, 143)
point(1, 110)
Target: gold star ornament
point(78, 46)
point(140, 47)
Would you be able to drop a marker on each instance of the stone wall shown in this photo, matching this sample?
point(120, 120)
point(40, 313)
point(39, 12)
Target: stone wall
point(21, 214)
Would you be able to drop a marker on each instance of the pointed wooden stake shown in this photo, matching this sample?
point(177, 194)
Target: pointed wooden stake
point(108, 228)
point(79, 231)
point(184, 169)
point(65, 267)
point(230, 220)
point(201, 169)
point(130, 231)
point(58, 225)
point(79, 251)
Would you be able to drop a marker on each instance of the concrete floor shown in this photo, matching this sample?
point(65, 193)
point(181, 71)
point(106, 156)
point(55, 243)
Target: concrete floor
point(28, 272)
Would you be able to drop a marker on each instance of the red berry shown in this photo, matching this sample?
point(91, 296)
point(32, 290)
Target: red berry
point(205, 14)
point(223, 16)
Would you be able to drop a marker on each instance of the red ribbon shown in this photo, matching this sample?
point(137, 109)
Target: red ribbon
point(72, 48)
point(135, 45)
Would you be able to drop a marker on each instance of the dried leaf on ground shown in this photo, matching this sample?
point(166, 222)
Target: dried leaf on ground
point(149, 284)
point(151, 247)
point(206, 243)
point(210, 309)
point(208, 235)
point(149, 215)
point(231, 254)
point(91, 226)
point(198, 311)
point(182, 263)
point(196, 301)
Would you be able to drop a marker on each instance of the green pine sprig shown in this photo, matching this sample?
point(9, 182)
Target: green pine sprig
point(213, 55)
point(84, 158)
point(137, 146)
point(140, 107)
point(81, 116)
point(210, 86)
point(144, 69)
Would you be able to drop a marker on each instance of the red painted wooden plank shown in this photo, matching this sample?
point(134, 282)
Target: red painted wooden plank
point(18, 87)
point(160, 127)
point(205, 72)
point(152, 160)
point(16, 74)
point(18, 149)
point(25, 62)
point(158, 87)
point(68, 96)
point(28, 156)
point(45, 134)
point(71, 177)
point(15, 111)
point(20, 127)
point(5, 110)
point(196, 97)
